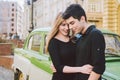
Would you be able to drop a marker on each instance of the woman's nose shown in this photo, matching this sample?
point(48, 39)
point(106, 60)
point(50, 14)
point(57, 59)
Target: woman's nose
point(67, 27)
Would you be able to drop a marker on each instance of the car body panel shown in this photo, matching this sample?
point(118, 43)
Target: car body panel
point(112, 55)
point(34, 64)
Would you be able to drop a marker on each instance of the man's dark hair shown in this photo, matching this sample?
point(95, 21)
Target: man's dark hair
point(74, 10)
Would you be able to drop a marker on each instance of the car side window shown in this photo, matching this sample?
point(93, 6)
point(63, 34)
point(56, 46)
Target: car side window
point(112, 44)
point(118, 40)
point(45, 43)
point(34, 43)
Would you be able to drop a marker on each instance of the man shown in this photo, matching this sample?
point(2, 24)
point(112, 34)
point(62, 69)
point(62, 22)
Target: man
point(90, 46)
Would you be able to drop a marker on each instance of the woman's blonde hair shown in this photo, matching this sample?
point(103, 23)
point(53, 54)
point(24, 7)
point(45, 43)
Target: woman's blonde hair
point(54, 30)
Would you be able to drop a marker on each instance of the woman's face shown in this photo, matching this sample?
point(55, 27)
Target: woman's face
point(64, 29)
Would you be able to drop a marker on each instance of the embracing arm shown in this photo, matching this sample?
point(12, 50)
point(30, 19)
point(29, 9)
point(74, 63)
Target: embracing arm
point(98, 56)
point(58, 67)
point(86, 69)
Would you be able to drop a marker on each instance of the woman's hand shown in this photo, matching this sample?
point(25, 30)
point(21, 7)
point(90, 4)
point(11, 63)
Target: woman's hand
point(52, 67)
point(86, 69)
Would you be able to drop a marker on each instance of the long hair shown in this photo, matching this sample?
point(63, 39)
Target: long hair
point(54, 30)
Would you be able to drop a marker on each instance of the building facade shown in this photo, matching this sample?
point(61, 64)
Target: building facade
point(19, 21)
point(111, 18)
point(46, 11)
point(94, 11)
point(8, 17)
point(26, 19)
point(103, 13)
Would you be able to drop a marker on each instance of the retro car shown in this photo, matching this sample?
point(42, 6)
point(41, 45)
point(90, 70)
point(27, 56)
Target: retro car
point(32, 63)
point(112, 53)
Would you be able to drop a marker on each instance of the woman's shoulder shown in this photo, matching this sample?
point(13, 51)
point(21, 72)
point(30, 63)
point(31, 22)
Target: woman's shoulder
point(53, 41)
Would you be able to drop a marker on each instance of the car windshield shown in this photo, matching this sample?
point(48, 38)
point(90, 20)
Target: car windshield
point(112, 44)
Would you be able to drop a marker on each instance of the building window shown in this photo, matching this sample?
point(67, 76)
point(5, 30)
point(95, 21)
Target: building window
point(92, 8)
point(12, 19)
point(12, 9)
point(12, 24)
point(34, 43)
point(12, 29)
point(12, 14)
point(12, 4)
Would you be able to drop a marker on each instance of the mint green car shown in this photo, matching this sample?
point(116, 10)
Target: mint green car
point(32, 63)
point(112, 56)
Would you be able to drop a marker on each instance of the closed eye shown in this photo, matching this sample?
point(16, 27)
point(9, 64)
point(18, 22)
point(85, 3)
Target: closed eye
point(63, 24)
point(72, 22)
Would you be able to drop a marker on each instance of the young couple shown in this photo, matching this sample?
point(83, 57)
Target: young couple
point(82, 60)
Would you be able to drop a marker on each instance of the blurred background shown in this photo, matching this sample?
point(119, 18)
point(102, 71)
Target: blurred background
point(19, 17)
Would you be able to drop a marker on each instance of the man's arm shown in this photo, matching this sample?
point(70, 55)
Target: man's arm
point(98, 55)
point(94, 76)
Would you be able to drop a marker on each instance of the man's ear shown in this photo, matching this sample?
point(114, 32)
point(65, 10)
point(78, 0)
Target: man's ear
point(82, 18)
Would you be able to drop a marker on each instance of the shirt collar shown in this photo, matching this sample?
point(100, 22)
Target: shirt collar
point(89, 29)
point(79, 35)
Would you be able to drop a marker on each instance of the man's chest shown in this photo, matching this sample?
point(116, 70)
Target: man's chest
point(84, 43)
point(83, 49)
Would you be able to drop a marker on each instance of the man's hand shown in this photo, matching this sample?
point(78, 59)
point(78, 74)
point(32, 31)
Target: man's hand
point(94, 76)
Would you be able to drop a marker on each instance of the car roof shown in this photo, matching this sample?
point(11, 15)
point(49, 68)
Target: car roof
point(42, 29)
point(106, 31)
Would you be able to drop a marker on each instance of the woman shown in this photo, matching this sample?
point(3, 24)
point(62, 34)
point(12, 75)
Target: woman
point(62, 52)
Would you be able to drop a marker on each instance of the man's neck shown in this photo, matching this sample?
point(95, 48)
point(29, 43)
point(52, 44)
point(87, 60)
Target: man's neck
point(85, 28)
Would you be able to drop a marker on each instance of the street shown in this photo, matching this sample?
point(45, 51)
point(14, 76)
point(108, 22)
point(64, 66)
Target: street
point(6, 74)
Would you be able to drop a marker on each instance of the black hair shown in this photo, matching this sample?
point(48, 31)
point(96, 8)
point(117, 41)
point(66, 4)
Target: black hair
point(74, 10)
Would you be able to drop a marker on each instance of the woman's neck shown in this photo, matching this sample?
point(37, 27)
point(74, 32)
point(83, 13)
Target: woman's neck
point(62, 38)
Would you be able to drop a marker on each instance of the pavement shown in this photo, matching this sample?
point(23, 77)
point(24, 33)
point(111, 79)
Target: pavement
point(6, 74)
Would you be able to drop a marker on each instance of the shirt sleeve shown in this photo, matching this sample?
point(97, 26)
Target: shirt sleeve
point(55, 56)
point(98, 52)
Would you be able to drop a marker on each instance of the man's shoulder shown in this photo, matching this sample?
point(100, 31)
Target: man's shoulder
point(95, 31)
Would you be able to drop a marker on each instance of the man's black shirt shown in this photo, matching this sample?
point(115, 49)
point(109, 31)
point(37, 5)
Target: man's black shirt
point(90, 50)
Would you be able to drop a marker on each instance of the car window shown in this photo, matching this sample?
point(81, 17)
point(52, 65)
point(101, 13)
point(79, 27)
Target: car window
point(112, 44)
point(34, 43)
point(118, 40)
point(45, 43)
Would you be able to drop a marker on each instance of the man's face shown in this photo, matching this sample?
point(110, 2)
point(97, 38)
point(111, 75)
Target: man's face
point(75, 25)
